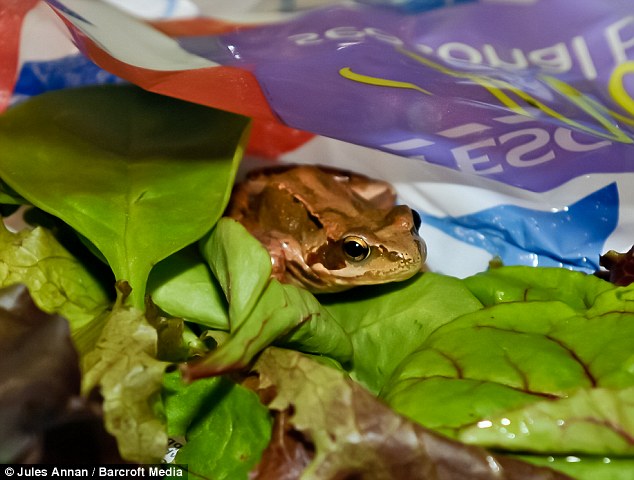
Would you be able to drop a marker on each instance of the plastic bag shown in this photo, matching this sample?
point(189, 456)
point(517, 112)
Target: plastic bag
point(509, 130)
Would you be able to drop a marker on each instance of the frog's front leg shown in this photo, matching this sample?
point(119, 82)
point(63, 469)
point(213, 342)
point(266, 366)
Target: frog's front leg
point(287, 263)
point(278, 259)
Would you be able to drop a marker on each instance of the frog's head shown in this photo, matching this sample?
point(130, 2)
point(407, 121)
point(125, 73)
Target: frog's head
point(329, 230)
point(381, 246)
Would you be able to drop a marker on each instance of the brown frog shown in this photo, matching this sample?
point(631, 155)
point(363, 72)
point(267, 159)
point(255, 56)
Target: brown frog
point(329, 230)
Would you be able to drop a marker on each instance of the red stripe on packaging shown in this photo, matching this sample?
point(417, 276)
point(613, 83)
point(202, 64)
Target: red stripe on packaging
point(225, 88)
point(12, 14)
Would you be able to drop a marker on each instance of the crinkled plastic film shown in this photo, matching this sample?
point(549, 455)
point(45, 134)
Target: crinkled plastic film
point(508, 129)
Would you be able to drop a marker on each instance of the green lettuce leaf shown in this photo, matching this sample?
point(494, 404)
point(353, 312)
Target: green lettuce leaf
point(595, 421)
point(548, 358)
point(586, 468)
point(224, 425)
point(522, 284)
point(124, 367)
point(387, 323)
point(261, 309)
point(139, 175)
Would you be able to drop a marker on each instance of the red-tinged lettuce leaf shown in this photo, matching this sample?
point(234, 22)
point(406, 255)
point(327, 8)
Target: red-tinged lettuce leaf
point(353, 435)
point(39, 373)
point(262, 311)
point(549, 354)
point(57, 281)
point(139, 175)
point(123, 366)
point(224, 425)
point(287, 454)
point(619, 267)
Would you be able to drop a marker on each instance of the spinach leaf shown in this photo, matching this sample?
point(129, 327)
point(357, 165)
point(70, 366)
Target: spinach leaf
point(183, 286)
point(224, 425)
point(139, 175)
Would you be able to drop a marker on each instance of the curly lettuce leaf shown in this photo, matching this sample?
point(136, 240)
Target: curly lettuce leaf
point(354, 435)
point(124, 367)
point(286, 456)
point(261, 309)
point(57, 281)
point(139, 175)
point(224, 425)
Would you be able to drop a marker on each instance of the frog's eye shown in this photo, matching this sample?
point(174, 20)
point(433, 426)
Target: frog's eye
point(417, 220)
point(355, 248)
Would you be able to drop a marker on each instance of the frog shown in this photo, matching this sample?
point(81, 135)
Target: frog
point(328, 230)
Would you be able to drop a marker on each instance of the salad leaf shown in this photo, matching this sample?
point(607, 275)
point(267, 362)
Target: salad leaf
point(182, 285)
point(123, 365)
point(595, 421)
point(522, 284)
point(8, 197)
point(39, 372)
point(57, 281)
point(587, 468)
point(619, 267)
point(551, 351)
point(287, 454)
point(356, 436)
point(225, 426)
point(139, 175)
point(261, 309)
point(386, 323)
